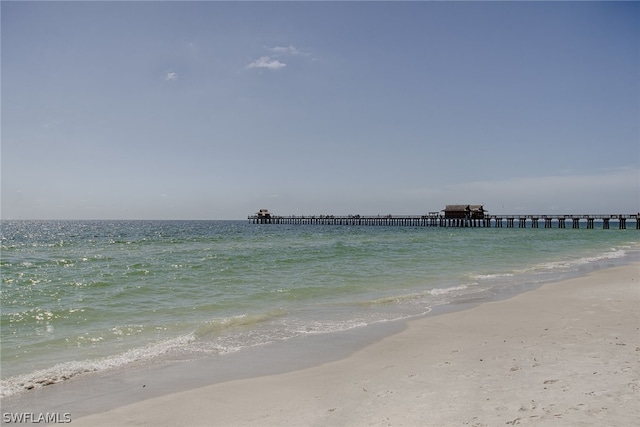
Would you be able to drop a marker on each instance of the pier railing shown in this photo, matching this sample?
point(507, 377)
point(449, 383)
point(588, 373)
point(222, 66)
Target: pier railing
point(438, 220)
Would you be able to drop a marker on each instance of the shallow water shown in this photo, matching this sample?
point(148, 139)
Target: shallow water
point(82, 296)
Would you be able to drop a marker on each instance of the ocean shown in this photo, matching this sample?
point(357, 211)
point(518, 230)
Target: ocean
point(80, 297)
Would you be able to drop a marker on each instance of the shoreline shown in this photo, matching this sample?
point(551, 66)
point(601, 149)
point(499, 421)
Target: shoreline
point(566, 352)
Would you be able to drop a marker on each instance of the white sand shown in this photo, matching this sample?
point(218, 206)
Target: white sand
point(567, 354)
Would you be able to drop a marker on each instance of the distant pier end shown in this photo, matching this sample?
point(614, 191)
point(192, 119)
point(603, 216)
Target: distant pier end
point(263, 216)
point(456, 216)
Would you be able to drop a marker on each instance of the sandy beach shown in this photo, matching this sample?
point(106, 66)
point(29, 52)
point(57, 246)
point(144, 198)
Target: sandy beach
point(566, 354)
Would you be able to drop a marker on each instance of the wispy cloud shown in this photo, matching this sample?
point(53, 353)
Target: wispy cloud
point(52, 123)
point(275, 59)
point(171, 76)
point(286, 50)
point(268, 63)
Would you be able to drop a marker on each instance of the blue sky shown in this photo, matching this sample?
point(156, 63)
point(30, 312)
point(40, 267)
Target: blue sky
point(213, 110)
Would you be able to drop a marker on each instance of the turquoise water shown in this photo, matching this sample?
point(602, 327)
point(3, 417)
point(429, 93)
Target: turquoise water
point(83, 296)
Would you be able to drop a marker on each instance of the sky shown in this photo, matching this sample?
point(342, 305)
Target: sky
point(214, 110)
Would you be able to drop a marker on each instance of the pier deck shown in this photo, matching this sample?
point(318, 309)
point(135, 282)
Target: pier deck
point(436, 219)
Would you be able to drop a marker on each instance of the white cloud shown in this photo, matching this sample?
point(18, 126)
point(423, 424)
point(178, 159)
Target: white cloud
point(267, 62)
point(272, 61)
point(171, 76)
point(286, 50)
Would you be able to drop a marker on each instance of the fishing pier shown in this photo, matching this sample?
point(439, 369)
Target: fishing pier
point(465, 217)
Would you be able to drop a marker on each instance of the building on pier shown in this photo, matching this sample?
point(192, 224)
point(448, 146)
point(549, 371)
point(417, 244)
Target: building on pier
point(263, 216)
point(464, 212)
